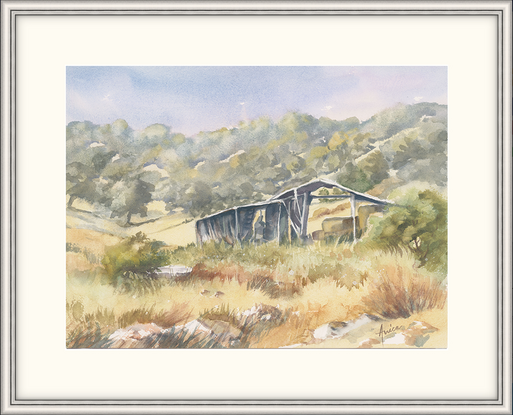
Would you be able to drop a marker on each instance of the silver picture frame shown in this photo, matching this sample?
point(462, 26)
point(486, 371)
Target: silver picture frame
point(13, 403)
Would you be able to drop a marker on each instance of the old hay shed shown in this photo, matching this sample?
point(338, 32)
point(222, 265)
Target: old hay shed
point(284, 217)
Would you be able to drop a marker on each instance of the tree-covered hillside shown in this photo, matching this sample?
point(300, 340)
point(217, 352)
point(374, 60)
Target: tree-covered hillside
point(119, 171)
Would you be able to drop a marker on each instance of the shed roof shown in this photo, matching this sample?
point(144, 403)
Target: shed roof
point(251, 205)
point(329, 184)
point(299, 190)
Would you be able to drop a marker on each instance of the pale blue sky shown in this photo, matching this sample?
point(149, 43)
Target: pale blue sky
point(190, 99)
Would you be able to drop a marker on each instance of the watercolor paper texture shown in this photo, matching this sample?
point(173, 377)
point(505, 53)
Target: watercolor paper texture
point(256, 207)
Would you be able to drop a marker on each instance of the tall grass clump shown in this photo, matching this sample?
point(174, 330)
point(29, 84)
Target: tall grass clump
point(213, 253)
point(180, 339)
point(93, 336)
point(139, 284)
point(245, 329)
point(272, 288)
point(270, 267)
point(90, 336)
point(93, 329)
point(398, 292)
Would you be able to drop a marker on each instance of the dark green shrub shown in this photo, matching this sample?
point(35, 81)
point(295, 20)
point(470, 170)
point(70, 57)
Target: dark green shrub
point(418, 223)
point(132, 263)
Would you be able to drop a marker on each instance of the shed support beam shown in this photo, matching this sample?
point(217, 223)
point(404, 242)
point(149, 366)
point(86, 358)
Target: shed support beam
point(236, 225)
point(198, 235)
point(279, 220)
point(304, 214)
point(330, 197)
point(353, 214)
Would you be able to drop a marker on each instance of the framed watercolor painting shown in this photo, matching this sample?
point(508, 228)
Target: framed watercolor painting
point(257, 234)
point(263, 209)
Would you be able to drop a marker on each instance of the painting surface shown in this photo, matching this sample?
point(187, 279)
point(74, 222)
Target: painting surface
point(256, 207)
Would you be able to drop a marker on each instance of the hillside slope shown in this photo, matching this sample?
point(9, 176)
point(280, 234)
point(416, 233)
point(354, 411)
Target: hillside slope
point(122, 173)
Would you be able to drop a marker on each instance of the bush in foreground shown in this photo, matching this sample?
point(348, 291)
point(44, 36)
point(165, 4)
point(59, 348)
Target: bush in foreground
point(417, 224)
point(131, 264)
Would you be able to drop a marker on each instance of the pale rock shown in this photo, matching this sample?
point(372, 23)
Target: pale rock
point(337, 329)
point(398, 338)
point(136, 332)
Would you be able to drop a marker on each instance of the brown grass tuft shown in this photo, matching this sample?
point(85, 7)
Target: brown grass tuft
point(399, 292)
point(179, 314)
point(223, 273)
point(273, 288)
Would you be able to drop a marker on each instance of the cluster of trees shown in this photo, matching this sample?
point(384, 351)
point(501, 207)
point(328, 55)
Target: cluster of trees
point(417, 224)
point(120, 171)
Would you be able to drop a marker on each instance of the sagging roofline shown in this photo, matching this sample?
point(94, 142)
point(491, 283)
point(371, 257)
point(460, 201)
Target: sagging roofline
point(299, 190)
point(316, 184)
point(251, 205)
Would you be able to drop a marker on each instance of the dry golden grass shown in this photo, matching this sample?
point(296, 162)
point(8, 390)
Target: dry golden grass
point(175, 230)
point(93, 241)
point(319, 303)
point(437, 338)
point(315, 285)
point(76, 261)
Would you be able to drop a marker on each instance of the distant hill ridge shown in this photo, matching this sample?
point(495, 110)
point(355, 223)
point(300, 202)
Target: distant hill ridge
point(122, 172)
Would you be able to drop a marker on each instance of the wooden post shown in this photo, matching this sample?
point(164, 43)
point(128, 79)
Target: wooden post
point(279, 220)
point(353, 215)
point(198, 235)
point(304, 215)
point(290, 231)
point(236, 225)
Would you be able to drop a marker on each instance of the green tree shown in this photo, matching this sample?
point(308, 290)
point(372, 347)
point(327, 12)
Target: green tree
point(83, 183)
point(418, 223)
point(353, 177)
point(132, 197)
point(375, 166)
point(199, 198)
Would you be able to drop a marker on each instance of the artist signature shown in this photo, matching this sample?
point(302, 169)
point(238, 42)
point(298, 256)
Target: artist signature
point(383, 331)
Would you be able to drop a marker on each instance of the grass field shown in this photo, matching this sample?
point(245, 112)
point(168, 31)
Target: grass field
point(268, 296)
